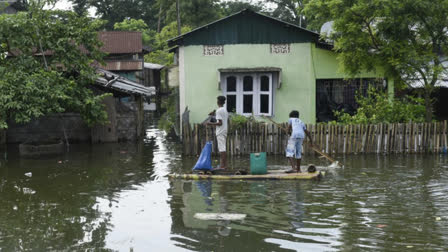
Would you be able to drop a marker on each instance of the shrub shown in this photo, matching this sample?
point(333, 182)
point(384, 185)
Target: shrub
point(238, 121)
point(377, 107)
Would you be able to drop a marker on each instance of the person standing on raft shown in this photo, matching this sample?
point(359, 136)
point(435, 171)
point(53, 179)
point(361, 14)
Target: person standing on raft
point(297, 130)
point(221, 130)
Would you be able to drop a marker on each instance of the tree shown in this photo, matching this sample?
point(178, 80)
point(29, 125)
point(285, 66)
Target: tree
point(289, 11)
point(193, 13)
point(20, 5)
point(231, 7)
point(408, 38)
point(160, 54)
point(43, 67)
point(148, 36)
point(80, 6)
point(114, 11)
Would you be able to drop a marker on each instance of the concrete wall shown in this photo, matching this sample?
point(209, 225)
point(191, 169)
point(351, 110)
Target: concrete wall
point(123, 127)
point(127, 119)
point(49, 128)
point(199, 76)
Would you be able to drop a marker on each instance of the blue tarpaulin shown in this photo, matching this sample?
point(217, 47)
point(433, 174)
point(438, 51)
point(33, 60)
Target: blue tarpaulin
point(205, 159)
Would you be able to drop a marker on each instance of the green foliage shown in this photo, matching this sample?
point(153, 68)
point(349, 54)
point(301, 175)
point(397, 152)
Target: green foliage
point(196, 13)
point(405, 37)
point(377, 107)
point(137, 25)
point(168, 119)
point(237, 121)
point(80, 6)
point(31, 88)
point(160, 54)
point(231, 7)
point(193, 13)
point(289, 11)
point(168, 32)
point(114, 11)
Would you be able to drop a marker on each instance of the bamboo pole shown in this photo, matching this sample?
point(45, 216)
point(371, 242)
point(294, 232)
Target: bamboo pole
point(330, 139)
point(411, 133)
point(444, 135)
point(323, 138)
point(436, 138)
point(422, 137)
point(374, 138)
point(349, 139)
point(345, 138)
point(337, 139)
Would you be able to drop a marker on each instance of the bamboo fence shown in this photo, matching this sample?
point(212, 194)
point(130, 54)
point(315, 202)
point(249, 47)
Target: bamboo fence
point(331, 139)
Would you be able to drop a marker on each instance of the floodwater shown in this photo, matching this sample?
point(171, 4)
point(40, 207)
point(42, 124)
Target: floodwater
point(117, 197)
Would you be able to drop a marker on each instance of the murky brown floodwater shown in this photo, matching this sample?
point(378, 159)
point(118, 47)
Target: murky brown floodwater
point(117, 197)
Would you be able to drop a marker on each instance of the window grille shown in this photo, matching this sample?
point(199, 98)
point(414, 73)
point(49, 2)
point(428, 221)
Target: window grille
point(213, 50)
point(248, 93)
point(280, 48)
point(338, 94)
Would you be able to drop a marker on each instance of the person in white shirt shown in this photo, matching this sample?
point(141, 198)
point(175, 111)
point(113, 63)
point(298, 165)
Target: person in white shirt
point(294, 148)
point(221, 130)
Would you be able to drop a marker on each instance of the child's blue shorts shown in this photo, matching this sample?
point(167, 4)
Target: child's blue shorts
point(294, 148)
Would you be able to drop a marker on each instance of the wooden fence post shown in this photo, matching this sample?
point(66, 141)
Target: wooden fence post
point(332, 139)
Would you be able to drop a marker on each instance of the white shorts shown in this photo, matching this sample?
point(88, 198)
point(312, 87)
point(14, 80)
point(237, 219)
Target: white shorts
point(294, 148)
point(221, 139)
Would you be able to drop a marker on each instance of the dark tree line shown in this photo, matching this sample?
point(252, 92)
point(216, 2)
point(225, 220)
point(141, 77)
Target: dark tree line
point(193, 13)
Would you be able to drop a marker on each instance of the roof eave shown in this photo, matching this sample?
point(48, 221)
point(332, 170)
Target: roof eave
point(172, 42)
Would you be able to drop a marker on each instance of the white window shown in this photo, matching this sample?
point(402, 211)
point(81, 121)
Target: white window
point(249, 93)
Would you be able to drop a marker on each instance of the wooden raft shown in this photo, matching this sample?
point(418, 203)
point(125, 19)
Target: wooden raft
point(271, 175)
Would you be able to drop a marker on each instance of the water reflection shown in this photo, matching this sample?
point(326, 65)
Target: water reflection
point(117, 197)
point(388, 203)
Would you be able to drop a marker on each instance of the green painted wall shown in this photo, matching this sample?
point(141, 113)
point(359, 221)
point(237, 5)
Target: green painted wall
point(326, 66)
point(300, 68)
point(201, 77)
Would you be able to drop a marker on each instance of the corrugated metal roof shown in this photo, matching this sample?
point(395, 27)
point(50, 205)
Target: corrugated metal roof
point(246, 27)
point(121, 41)
point(116, 82)
point(123, 65)
point(153, 66)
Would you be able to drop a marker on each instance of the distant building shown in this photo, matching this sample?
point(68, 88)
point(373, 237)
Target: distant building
point(123, 77)
point(125, 53)
point(124, 109)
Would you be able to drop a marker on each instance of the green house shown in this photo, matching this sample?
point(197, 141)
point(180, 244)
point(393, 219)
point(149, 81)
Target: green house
point(263, 66)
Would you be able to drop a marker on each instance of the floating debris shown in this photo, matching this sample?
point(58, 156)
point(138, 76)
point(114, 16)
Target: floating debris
point(29, 174)
point(26, 190)
point(219, 216)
